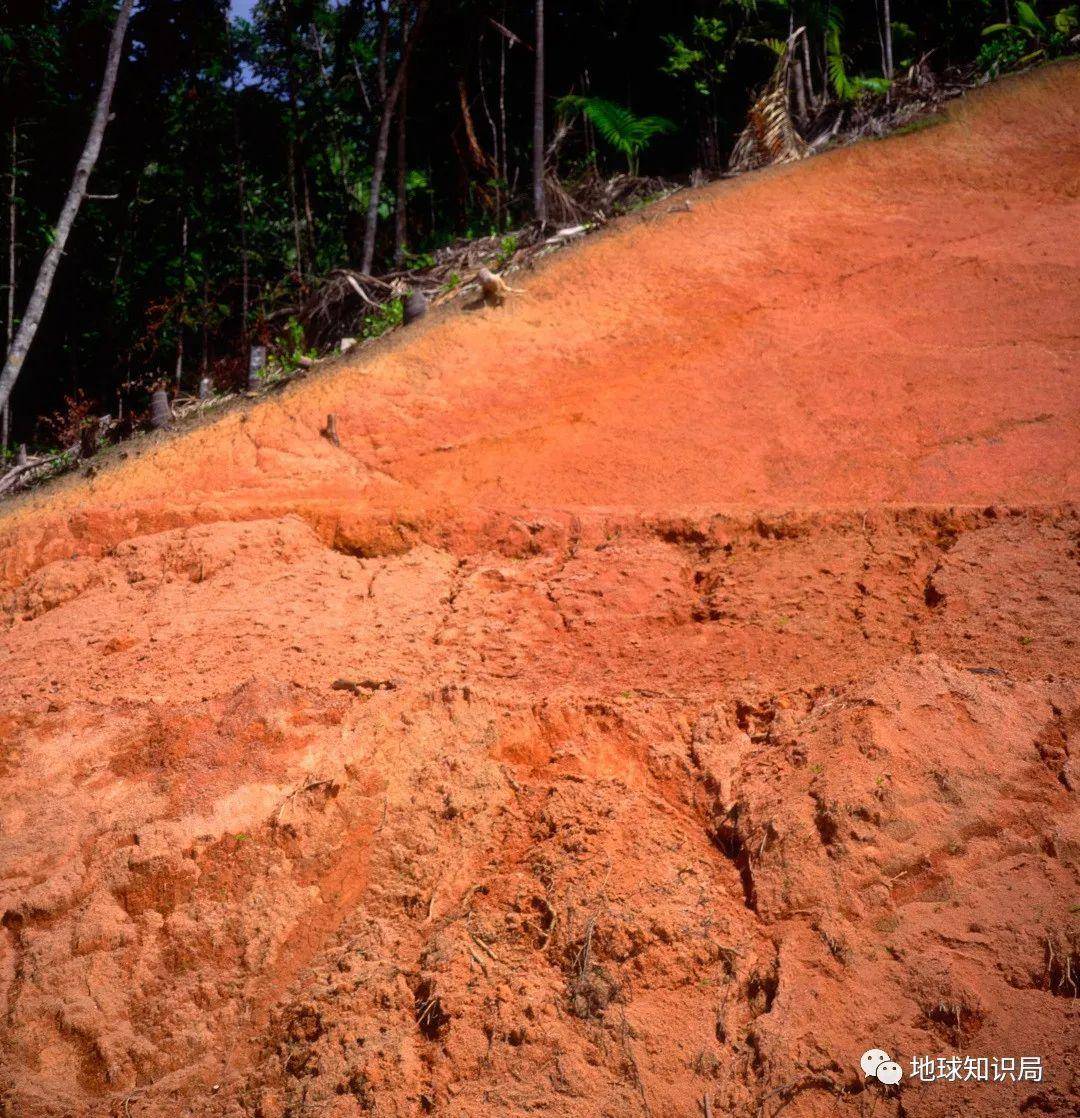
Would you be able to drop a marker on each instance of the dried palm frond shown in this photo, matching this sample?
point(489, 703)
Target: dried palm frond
point(770, 135)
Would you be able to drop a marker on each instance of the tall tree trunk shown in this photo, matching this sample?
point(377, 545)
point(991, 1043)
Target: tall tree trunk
point(241, 200)
point(384, 44)
point(799, 87)
point(886, 20)
point(298, 241)
point(316, 38)
point(183, 300)
point(294, 135)
point(204, 362)
point(9, 335)
point(495, 162)
point(400, 212)
point(382, 142)
point(504, 173)
point(35, 307)
point(811, 94)
point(309, 216)
point(539, 198)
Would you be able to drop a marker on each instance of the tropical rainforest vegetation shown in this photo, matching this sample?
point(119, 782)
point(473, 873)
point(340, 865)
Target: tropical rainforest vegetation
point(250, 149)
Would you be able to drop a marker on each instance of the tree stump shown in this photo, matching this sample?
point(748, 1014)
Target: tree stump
point(160, 412)
point(415, 307)
point(88, 439)
point(256, 364)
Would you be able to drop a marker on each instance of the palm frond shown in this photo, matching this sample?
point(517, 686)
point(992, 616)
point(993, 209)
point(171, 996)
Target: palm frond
point(770, 135)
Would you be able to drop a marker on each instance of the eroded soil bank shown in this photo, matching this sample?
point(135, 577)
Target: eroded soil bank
point(668, 690)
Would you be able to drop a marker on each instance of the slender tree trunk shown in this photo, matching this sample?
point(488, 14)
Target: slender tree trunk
point(35, 307)
point(9, 335)
point(378, 169)
point(590, 133)
point(539, 198)
point(400, 212)
point(886, 20)
point(294, 136)
point(808, 72)
point(495, 161)
point(241, 200)
point(382, 143)
point(298, 243)
point(799, 87)
point(384, 44)
point(309, 216)
point(316, 38)
point(504, 173)
point(183, 301)
point(204, 362)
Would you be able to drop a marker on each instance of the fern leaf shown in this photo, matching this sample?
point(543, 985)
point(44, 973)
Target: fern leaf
point(617, 125)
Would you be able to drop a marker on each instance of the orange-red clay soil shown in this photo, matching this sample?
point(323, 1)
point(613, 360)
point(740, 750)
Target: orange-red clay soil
point(667, 691)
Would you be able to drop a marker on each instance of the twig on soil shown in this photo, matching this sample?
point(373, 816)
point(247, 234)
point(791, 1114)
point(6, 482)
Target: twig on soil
point(357, 686)
point(299, 791)
point(464, 909)
point(480, 962)
point(821, 1082)
point(484, 947)
point(550, 931)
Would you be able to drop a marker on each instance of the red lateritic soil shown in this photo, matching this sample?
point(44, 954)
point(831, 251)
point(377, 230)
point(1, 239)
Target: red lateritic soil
point(722, 594)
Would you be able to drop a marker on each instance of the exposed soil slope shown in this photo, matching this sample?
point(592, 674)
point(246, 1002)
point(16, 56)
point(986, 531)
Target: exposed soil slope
point(668, 690)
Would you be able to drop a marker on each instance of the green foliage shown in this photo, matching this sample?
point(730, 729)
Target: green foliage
point(904, 39)
point(847, 88)
point(1028, 18)
point(418, 261)
point(291, 348)
point(1067, 21)
point(618, 126)
point(259, 135)
point(385, 318)
point(702, 59)
point(507, 247)
point(1008, 48)
point(1010, 45)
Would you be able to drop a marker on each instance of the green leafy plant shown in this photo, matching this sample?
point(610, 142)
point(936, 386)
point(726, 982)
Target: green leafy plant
point(703, 58)
point(847, 87)
point(507, 247)
point(617, 125)
point(385, 318)
point(291, 347)
point(1016, 44)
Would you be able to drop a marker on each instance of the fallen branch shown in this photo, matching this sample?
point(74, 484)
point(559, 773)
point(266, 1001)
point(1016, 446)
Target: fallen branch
point(360, 291)
point(25, 468)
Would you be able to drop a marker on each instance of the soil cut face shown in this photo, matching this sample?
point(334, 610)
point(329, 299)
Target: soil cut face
point(666, 692)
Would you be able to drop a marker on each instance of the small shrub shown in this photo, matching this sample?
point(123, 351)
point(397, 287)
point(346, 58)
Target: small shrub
point(385, 318)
